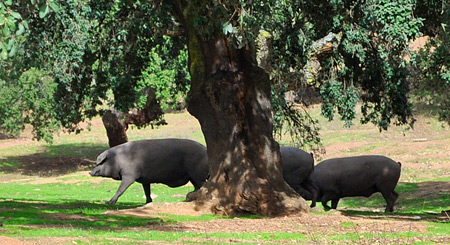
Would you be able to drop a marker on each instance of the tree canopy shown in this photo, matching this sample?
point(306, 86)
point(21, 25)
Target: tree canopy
point(106, 53)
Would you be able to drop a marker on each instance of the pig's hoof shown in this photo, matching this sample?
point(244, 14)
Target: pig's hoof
point(111, 202)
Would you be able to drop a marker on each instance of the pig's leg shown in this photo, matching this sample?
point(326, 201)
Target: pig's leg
point(126, 182)
point(315, 195)
point(390, 198)
point(334, 203)
point(147, 192)
point(312, 188)
point(326, 197)
point(324, 201)
point(197, 184)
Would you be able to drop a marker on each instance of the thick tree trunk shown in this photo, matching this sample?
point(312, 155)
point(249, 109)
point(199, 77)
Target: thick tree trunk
point(230, 96)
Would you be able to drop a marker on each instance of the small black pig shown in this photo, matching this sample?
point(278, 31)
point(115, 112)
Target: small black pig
point(173, 162)
point(298, 166)
point(357, 176)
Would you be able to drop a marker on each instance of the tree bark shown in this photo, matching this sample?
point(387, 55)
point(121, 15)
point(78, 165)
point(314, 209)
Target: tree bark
point(231, 97)
point(115, 127)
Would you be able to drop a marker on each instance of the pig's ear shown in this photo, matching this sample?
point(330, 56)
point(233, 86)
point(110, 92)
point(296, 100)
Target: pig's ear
point(101, 158)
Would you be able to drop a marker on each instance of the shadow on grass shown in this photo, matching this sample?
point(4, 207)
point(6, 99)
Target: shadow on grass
point(54, 160)
point(417, 201)
point(82, 215)
point(413, 216)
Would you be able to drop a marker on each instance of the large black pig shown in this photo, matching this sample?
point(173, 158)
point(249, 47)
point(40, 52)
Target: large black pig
point(173, 162)
point(357, 176)
point(298, 166)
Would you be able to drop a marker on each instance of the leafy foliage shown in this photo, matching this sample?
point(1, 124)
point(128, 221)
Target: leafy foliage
point(13, 26)
point(104, 53)
point(28, 100)
point(344, 99)
point(433, 64)
point(168, 77)
point(432, 14)
point(95, 52)
point(296, 121)
point(370, 57)
point(368, 64)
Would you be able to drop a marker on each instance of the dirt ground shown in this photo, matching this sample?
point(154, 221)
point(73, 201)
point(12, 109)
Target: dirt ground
point(305, 223)
point(332, 222)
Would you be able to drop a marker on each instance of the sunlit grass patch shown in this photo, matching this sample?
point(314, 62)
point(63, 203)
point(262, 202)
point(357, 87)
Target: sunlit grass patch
point(348, 225)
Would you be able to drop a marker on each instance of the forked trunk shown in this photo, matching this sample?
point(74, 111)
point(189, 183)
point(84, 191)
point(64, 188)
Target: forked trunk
point(116, 122)
point(230, 96)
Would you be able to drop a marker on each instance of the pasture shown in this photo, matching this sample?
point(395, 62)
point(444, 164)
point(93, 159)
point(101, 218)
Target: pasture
point(47, 196)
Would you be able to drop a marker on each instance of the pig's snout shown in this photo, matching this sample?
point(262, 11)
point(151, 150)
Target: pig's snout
point(94, 172)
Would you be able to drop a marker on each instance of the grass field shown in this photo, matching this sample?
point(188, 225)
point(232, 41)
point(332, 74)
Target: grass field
point(47, 196)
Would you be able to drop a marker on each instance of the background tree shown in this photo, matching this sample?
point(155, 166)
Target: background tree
point(95, 53)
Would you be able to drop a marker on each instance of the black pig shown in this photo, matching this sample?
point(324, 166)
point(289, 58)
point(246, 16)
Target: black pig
point(357, 176)
point(173, 162)
point(298, 166)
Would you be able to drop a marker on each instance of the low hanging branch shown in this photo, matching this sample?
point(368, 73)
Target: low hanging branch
point(310, 72)
point(319, 49)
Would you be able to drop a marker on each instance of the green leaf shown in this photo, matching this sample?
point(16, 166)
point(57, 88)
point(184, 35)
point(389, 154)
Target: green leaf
point(4, 54)
point(6, 30)
point(8, 2)
point(227, 28)
point(21, 30)
point(10, 44)
point(16, 15)
point(11, 22)
point(54, 6)
point(43, 11)
point(3, 46)
point(12, 51)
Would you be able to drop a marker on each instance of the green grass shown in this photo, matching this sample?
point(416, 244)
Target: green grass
point(348, 225)
point(67, 202)
point(76, 210)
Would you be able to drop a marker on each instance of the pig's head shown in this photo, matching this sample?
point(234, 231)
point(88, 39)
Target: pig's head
point(106, 167)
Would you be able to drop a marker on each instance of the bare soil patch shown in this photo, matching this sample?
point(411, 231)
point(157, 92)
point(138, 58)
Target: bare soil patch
point(155, 209)
point(12, 241)
point(305, 223)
